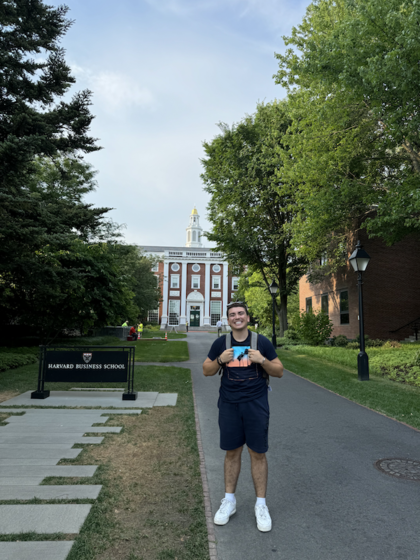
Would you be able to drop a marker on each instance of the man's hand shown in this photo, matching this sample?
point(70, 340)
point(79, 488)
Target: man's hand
point(226, 356)
point(255, 356)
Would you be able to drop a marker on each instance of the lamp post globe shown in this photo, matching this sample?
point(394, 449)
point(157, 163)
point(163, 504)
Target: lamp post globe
point(274, 288)
point(359, 260)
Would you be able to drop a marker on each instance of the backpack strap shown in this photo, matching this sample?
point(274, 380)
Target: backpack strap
point(228, 339)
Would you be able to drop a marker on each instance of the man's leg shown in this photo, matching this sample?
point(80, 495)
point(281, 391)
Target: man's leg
point(259, 471)
point(232, 469)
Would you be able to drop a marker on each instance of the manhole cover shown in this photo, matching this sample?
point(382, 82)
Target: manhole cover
point(406, 469)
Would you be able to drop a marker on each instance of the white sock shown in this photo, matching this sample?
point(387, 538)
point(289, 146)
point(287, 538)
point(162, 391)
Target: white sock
point(230, 497)
point(260, 502)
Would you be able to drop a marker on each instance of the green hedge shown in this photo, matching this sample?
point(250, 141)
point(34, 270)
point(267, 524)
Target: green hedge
point(398, 364)
point(9, 360)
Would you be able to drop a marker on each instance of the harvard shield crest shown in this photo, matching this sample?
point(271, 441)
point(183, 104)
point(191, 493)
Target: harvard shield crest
point(87, 356)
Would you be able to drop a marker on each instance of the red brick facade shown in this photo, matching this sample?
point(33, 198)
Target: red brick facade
point(390, 290)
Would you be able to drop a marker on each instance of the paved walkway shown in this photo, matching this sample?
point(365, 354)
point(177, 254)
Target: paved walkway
point(327, 500)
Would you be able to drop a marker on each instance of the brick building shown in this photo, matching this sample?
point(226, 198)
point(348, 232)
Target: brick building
point(390, 291)
point(197, 283)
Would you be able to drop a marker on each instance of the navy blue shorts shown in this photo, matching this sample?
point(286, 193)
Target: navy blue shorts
point(244, 423)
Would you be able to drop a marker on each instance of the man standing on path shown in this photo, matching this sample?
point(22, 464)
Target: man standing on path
point(219, 327)
point(243, 408)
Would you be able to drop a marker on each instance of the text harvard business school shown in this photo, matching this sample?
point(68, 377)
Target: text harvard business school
point(86, 366)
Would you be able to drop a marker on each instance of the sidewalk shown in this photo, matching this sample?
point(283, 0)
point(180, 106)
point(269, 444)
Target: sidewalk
point(326, 498)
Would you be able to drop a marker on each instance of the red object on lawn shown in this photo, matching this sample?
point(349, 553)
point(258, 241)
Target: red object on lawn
point(166, 336)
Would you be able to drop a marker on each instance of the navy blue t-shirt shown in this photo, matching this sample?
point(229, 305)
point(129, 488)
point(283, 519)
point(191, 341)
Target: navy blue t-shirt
point(242, 380)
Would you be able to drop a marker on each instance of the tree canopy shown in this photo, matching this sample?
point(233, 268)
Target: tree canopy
point(250, 209)
point(61, 265)
point(353, 80)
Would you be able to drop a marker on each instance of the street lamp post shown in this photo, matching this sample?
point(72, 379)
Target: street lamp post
point(273, 291)
point(359, 260)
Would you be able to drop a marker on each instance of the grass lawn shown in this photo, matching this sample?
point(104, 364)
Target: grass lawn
point(151, 504)
point(161, 334)
point(395, 400)
point(160, 351)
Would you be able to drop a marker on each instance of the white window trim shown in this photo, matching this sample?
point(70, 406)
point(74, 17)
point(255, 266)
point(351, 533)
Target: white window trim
point(235, 278)
point(219, 287)
point(192, 282)
point(173, 276)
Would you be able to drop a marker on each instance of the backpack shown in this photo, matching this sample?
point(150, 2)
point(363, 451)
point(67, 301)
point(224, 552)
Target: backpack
point(254, 346)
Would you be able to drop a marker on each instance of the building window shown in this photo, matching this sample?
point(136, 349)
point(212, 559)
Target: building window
point(215, 312)
point(153, 316)
point(235, 283)
point(194, 235)
point(189, 236)
point(155, 267)
point(174, 311)
point(324, 303)
point(344, 308)
point(196, 268)
point(175, 267)
point(195, 282)
point(174, 280)
point(216, 268)
point(215, 282)
point(308, 304)
point(323, 260)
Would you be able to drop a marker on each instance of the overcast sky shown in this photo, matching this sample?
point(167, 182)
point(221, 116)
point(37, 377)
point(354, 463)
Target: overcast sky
point(163, 74)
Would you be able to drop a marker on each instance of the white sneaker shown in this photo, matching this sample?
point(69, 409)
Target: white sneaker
point(263, 518)
point(226, 509)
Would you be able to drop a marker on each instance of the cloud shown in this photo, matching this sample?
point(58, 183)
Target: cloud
point(114, 91)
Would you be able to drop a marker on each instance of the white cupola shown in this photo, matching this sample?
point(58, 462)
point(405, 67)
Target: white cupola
point(194, 231)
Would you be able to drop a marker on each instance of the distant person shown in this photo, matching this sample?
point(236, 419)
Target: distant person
point(186, 325)
point(125, 324)
point(243, 407)
point(219, 325)
point(133, 333)
point(140, 329)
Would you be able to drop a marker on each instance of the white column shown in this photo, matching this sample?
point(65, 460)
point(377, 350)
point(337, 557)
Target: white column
point(183, 311)
point(164, 320)
point(225, 292)
point(207, 296)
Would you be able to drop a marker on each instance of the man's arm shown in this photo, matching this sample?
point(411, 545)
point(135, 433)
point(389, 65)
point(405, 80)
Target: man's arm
point(211, 367)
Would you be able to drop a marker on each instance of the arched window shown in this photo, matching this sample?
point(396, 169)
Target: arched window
point(194, 236)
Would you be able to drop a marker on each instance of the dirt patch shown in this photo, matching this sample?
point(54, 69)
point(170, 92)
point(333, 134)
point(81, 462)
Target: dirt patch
point(6, 395)
point(153, 487)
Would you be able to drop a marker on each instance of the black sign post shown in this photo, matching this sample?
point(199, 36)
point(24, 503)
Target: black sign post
point(81, 364)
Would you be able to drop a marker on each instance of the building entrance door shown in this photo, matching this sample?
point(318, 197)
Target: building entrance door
point(195, 316)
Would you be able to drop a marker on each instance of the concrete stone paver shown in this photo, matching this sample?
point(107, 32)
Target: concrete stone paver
point(32, 445)
point(28, 518)
point(19, 480)
point(49, 550)
point(53, 492)
point(36, 429)
point(65, 411)
point(49, 438)
point(27, 461)
point(83, 398)
point(48, 420)
point(166, 399)
point(34, 453)
point(61, 470)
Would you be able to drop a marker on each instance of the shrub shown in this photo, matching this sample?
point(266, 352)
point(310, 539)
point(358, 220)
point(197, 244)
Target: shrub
point(340, 341)
point(353, 345)
point(13, 361)
point(313, 327)
point(392, 344)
